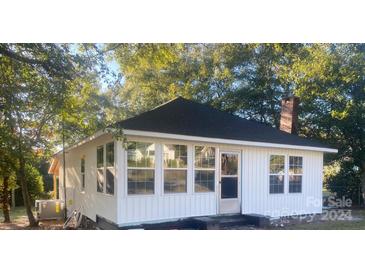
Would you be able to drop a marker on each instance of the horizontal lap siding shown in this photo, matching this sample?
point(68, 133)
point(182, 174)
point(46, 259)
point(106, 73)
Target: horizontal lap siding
point(255, 178)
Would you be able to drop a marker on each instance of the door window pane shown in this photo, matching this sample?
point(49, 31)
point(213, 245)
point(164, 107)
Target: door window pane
point(229, 187)
point(229, 164)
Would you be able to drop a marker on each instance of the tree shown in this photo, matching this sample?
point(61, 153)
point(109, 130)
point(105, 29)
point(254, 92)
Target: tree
point(7, 166)
point(238, 78)
point(330, 82)
point(251, 79)
point(39, 86)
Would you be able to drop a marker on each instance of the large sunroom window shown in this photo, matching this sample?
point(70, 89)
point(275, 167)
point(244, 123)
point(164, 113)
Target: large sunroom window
point(175, 168)
point(204, 164)
point(141, 168)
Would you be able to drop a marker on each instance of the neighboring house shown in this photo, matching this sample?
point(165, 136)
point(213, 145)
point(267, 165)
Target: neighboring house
point(186, 159)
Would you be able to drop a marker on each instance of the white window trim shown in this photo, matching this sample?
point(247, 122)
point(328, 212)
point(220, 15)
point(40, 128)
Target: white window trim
point(98, 168)
point(127, 168)
point(205, 169)
point(174, 168)
point(285, 174)
point(301, 174)
point(104, 168)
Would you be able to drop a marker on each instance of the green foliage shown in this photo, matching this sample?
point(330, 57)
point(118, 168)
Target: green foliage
point(35, 183)
point(46, 87)
point(49, 87)
point(250, 80)
point(346, 183)
point(238, 78)
point(329, 80)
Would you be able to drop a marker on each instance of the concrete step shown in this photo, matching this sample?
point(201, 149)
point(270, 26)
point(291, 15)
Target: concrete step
point(206, 222)
point(220, 222)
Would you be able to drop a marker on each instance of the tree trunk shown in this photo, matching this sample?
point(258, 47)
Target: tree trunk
point(21, 177)
point(5, 199)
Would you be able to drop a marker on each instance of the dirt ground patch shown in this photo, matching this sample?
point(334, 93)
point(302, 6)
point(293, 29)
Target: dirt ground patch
point(19, 221)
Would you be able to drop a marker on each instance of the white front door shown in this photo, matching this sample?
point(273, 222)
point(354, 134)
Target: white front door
point(230, 183)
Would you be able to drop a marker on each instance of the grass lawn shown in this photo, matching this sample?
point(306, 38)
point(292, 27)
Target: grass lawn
point(356, 223)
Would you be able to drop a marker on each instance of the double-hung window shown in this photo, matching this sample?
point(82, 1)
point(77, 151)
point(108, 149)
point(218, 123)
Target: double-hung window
point(204, 168)
point(175, 168)
point(141, 168)
point(109, 169)
point(82, 169)
point(100, 168)
point(295, 174)
point(277, 174)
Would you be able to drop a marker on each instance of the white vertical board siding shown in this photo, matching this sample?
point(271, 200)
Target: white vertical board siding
point(124, 209)
point(255, 184)
point(254, 187)
point(90, 201)
point(154, 208)
point(160, 206)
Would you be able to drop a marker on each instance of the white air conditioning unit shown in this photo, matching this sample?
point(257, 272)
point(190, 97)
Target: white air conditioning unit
point(49, 209)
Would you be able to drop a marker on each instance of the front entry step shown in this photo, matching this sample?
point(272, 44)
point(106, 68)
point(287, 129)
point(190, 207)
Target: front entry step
point(208, 222)
point(221, 222)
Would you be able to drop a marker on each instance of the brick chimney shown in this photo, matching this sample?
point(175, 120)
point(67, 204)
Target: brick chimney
point(289, 114)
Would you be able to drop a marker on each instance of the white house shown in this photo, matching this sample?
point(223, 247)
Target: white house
point(185, 159)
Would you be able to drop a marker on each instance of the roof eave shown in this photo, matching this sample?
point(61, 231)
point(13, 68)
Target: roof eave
point(224, 141)
point(200, 139)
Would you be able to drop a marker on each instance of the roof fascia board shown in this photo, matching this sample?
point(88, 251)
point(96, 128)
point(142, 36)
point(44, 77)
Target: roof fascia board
point(84, 141)
point(223, 141)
